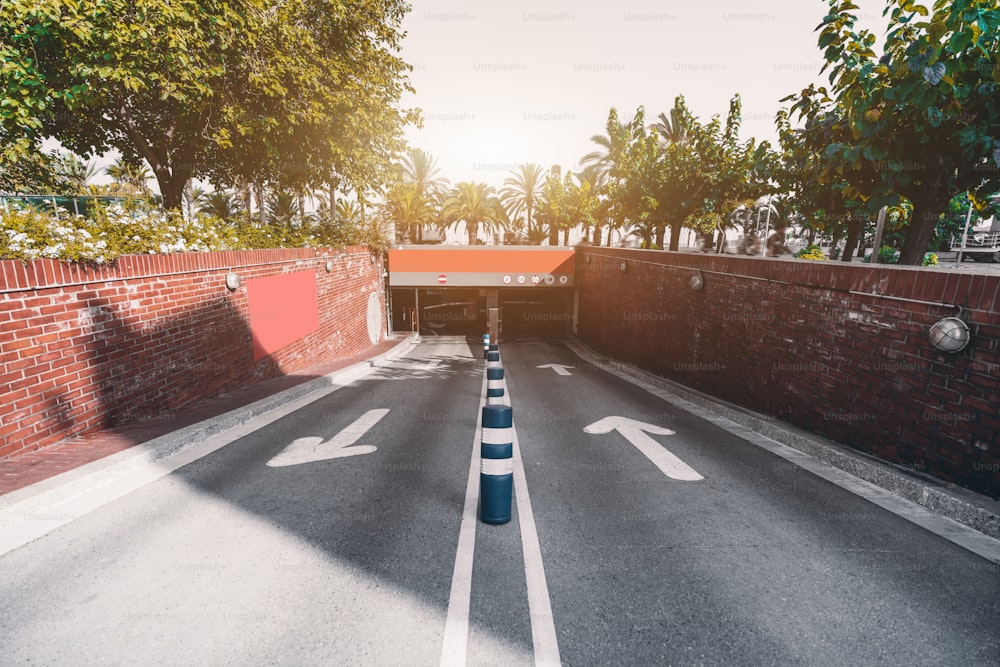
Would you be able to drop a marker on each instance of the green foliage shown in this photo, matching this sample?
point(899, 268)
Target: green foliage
point(886, 255)
point(521, 195)
point(30, 234)
point(918, 121)
point(409, 208)
point(414, 197)
point(475, 204)
point(930, 259)
point(298, 93)
point(811, 252)
point(566, 203)
point(678, 170)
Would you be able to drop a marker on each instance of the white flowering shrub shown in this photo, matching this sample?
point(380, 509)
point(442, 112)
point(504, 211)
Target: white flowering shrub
point(29, 234)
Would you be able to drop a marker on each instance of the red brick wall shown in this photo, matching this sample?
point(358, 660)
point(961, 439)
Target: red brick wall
point(830, 347)
point(85, 348)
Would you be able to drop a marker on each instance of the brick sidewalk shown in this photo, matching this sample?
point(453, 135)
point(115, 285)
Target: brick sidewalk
point(28, 468)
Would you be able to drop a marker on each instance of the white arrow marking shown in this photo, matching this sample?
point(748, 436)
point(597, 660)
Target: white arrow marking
point(310, 449)
point(560, 369)
point(635, 432)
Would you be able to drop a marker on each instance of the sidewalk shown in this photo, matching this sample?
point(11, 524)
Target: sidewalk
point(28, 468)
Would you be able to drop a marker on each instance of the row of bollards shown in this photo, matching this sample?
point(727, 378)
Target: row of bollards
point(496, 474)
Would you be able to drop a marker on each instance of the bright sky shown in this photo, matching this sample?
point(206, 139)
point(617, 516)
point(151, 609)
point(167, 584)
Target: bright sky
point(505, 83)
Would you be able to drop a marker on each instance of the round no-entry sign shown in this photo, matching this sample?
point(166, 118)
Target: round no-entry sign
point(442, 279)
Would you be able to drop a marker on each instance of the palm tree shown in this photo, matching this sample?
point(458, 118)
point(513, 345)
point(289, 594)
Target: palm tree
point(221, 204)
point(522, 193)
point(615, 157)
point(131, 178)
point(614, 144)
point(475, 204)
point(347, 210)
point(282, 206)
point(420, 168)
point(409, 208)
point(77, 173)
point(672, 129)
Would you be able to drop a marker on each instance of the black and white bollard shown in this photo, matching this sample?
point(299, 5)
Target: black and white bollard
point(492, 360)
point(496, 476)
point(494, 386)
point(486, 344)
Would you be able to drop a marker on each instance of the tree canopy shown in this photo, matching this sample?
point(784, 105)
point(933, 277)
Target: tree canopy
point(921, 120)
point(297, 92)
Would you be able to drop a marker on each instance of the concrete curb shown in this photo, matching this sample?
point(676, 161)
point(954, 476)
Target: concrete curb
point(970, 509)
point(34, 500)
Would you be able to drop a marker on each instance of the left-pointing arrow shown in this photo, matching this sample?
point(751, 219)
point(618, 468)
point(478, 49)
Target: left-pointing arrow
point(310, 449)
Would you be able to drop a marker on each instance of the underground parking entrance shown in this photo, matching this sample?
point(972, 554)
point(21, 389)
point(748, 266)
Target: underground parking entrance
point(468, 291)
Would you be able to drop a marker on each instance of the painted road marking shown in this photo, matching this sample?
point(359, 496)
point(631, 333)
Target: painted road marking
point(311, 449)
point(543, 626)
point(456, 626)
point(635, 432)
point(560, 369)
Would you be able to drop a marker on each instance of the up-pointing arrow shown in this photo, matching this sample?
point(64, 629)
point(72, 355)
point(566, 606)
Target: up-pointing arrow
point(560, 369)
point(310, 449)
point(636, 433)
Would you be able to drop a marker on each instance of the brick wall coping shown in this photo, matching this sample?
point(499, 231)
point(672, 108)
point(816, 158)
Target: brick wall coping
point(934, 286)
point(22, 276)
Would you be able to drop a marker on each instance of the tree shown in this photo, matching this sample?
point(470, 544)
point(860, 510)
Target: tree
point(419, 168)
point(596, 200)
point(232, 90)
point(566, 203)
point(736, 172)
point(612, 165)
point(76, 173)
point(682, 173)
point(222, 204)
point(33, 172)
point(409, 208)
point(924, 114)
point(282, 207)
point(476, 205)
point(131, 177)
point(521, 194)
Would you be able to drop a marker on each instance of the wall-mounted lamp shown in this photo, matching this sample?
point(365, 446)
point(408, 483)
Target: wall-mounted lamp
point(232, 281)
point(697, 283)
point(329, 265)
point(623, 267)
point(950, 335)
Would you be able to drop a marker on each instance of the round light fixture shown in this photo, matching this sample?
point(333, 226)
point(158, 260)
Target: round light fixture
point(329, 265)
point(950, 335)
point(697, 283)
point(232, 281)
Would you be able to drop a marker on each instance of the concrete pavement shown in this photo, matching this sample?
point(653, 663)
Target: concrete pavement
point(768, 558)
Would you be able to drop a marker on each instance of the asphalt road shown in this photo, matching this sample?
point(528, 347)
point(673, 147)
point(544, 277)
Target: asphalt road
point(354, 552)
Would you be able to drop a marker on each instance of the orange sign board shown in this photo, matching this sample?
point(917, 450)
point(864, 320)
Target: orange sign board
point(489, 266)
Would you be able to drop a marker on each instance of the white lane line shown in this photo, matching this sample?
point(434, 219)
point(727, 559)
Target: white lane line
point(456, 625)
point(543, 624)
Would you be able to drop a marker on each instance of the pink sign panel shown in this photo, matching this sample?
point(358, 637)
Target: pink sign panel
point(283, 309)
